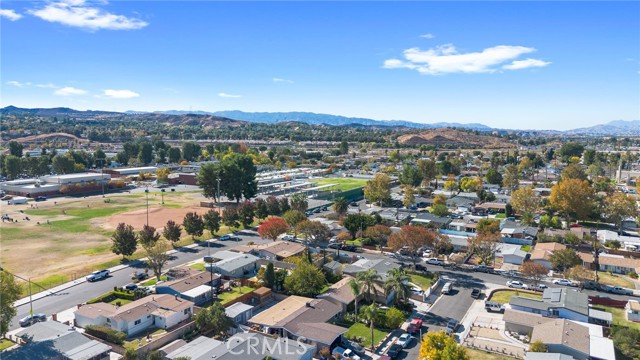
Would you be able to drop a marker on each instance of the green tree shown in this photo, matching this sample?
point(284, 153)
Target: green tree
point(370, 314)
point(246, 213)
point(571, 149)
point(10, 291)
point(440, 346)
point(270, 276)
point(589, 157)
point(427, 170)
point(238, 177)
point(305, 280)
point(378, 189)
point(356, 290)
point(172, 231)
point(157, 256)
point(262, 211)
point(293, 218)
point(525, 202)
point(15, 148)
point(230, 217)
point(211, 220)
point(410, 176)
point(439, 210)
point(340, 206)
point(12, 166)
point(193, 224)
point(488, 226)
point(146, 153)
point(409, 199)
point(394, 318)
point(299, 202)
point(564, 259)
point(573, 171)
point(369, 279)
point(627, 340)
point(620, 207)
point(273, 206)
point(148, 236)
point(511, 178)
point(358, 222)
point(213, 320)
point(190, 150)
point(344, 148)
point(284, 204)
point(207, 180)
point(397, 283)
point(174, 154)
point(124, 240)
point(538, 346)
point(493, 177)
point(130, 354)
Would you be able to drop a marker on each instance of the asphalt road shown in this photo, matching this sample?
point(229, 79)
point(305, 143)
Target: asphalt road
point(88, 290)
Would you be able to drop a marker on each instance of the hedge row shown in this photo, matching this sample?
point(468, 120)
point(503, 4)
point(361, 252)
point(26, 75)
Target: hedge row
point(106, 333)
point(113, 295)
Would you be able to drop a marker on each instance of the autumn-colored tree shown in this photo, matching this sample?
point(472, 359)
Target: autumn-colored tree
point(573, 197)
point(293, 218)
point(525, 202)
point(272, 228)
point(485, 245)
point(469, 184)
point(488, 226)
point(538, 347)
point(411, 238)
point(409, 199)
point(620, 207)
point(379, 234)
point(162, 175)
point(534, 271)
point(148, 236)
point(439, 200)
point(378, 189)
point(573, 171)
point(441, 243)
point(564, 259)
point(440, 346)
point(157, 256)
point(511, 177)
point(314, 231)
point(579, 273)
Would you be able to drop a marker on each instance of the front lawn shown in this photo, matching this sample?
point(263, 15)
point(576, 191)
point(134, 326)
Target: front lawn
point(424, 281)
point(619, 318)
point(503, 297)
point(615, 280)
point(154, 280)
point(5, 344)
point(483, 355)
point(364, 331)
point(356, 242)
point(236, 292)
point(525, 248)
point(198, 266)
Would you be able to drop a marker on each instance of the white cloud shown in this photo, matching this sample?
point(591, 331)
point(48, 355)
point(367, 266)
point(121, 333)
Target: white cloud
point(77, 13)
point(69, 91)
point(18, 83)
point(427, 36)
point(524, 64)
point(10, 14)
point(445, 59)
point(225, 95)
point(281, 80)
point(121, 94)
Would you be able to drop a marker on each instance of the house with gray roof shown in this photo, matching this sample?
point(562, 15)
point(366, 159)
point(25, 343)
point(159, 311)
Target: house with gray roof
point(54, 340)
point(438, 222)
point(240, 266)
point(197, 286)
point(512, 229)
point(239, 312)
point(547, 356)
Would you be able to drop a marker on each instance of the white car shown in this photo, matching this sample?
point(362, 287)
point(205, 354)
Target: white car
point(404, 340)
point(517, 285)
point(563, 282)
point(97, 275)
point(434, 261)
point(427, 253)
point(288, 238)
point(350, 354)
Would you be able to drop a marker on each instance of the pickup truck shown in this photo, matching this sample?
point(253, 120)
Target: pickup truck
point(618, 290)
point(97, 275)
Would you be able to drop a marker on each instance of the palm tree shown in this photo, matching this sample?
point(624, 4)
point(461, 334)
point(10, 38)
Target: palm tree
point(340, 205)
point(368, 279)
point(370, 313)
point(397, 281)
point(356, 289)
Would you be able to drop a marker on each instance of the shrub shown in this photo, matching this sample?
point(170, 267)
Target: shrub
point(633, 274)
point(106, 333)
point(393, 318)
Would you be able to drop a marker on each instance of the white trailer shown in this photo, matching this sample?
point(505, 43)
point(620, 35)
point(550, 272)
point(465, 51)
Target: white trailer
point(17, 200)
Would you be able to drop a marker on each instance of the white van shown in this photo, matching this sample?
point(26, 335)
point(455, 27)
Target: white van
point(447, 288)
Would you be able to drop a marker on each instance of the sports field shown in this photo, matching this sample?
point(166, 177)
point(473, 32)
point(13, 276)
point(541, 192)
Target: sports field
point(341, 184)
point(66, 238)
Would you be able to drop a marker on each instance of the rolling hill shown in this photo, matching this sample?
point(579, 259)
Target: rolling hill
point(454, 138)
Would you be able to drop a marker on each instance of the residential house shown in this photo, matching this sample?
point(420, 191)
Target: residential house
point(241, 266)
point(547, 356)
point(608, 262)
point(511, 229)
point(276, 250)
point(333, 267)
point(247, 346)
point(54, 340)
point(381, 266)
point(196, 287)
point(160, 311)
point(582, 341)
point(522, 322)
point(298, 317)
point(239, 312)
point(340, 293)
point(541, 253)
point(512, 254)
point(458, 225)
point(432, 220)
point(632, 310)
point(461, 202)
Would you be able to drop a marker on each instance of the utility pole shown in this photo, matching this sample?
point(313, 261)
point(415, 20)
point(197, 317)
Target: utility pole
point(147, 192)
point(218, 179)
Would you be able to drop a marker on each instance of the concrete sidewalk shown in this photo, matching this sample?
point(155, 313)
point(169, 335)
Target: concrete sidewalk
point(62, 287)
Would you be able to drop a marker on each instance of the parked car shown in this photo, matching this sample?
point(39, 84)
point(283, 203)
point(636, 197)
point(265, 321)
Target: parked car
point(414, 326)
point(354, 204)
point(421, 267)
point(335, 246)
point(350, 354)
point(228, 237)
point(452, 325)
point(141, 275)
point(32, 319)
point(447, 288)
point(434, 261)
point(131, 287)
point(404, 340)
point(492, 306)
point(619, 290)
point(517, 285)
point(427, 253)
point(97, 275)
point(394, 350)
point(540, 287)
point(563, 282)
point(41, 198)
point(356, 347)
point(482, 268)
point(475, 293)
point(288, 237)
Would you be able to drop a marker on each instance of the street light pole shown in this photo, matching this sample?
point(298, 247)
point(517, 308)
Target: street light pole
point(162, 191)
point(218, 179)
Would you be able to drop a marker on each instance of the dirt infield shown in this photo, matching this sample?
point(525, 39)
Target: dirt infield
point(158, 217)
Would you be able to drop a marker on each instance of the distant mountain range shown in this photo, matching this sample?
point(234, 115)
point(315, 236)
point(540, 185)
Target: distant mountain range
point(613, 128)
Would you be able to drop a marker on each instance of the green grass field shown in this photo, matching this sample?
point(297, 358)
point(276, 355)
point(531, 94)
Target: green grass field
point(342, 184)
point(4, 344)
point(619, 317)
point(423, 281)
point(228, 296)
point(503, 297)
point(362, 330)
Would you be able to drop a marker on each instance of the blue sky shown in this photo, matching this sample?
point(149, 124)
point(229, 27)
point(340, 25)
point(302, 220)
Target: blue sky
point(521, 65)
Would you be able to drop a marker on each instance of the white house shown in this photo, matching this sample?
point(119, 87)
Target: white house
point(632, 310)
point(161, 311)
point(513, 255)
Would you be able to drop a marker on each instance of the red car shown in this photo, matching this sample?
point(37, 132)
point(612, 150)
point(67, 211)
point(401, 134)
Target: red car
point(414, 326)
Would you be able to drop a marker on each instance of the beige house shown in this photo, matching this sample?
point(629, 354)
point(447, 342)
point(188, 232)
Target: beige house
point(340, 293)
point(615, 263)
point(276, 250)
point(160, 311)
point(632, 310)
point(541, 253)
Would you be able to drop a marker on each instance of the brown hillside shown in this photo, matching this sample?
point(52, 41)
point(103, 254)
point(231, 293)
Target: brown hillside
point(191, 120)
point(61, 137)
point(454, 138)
